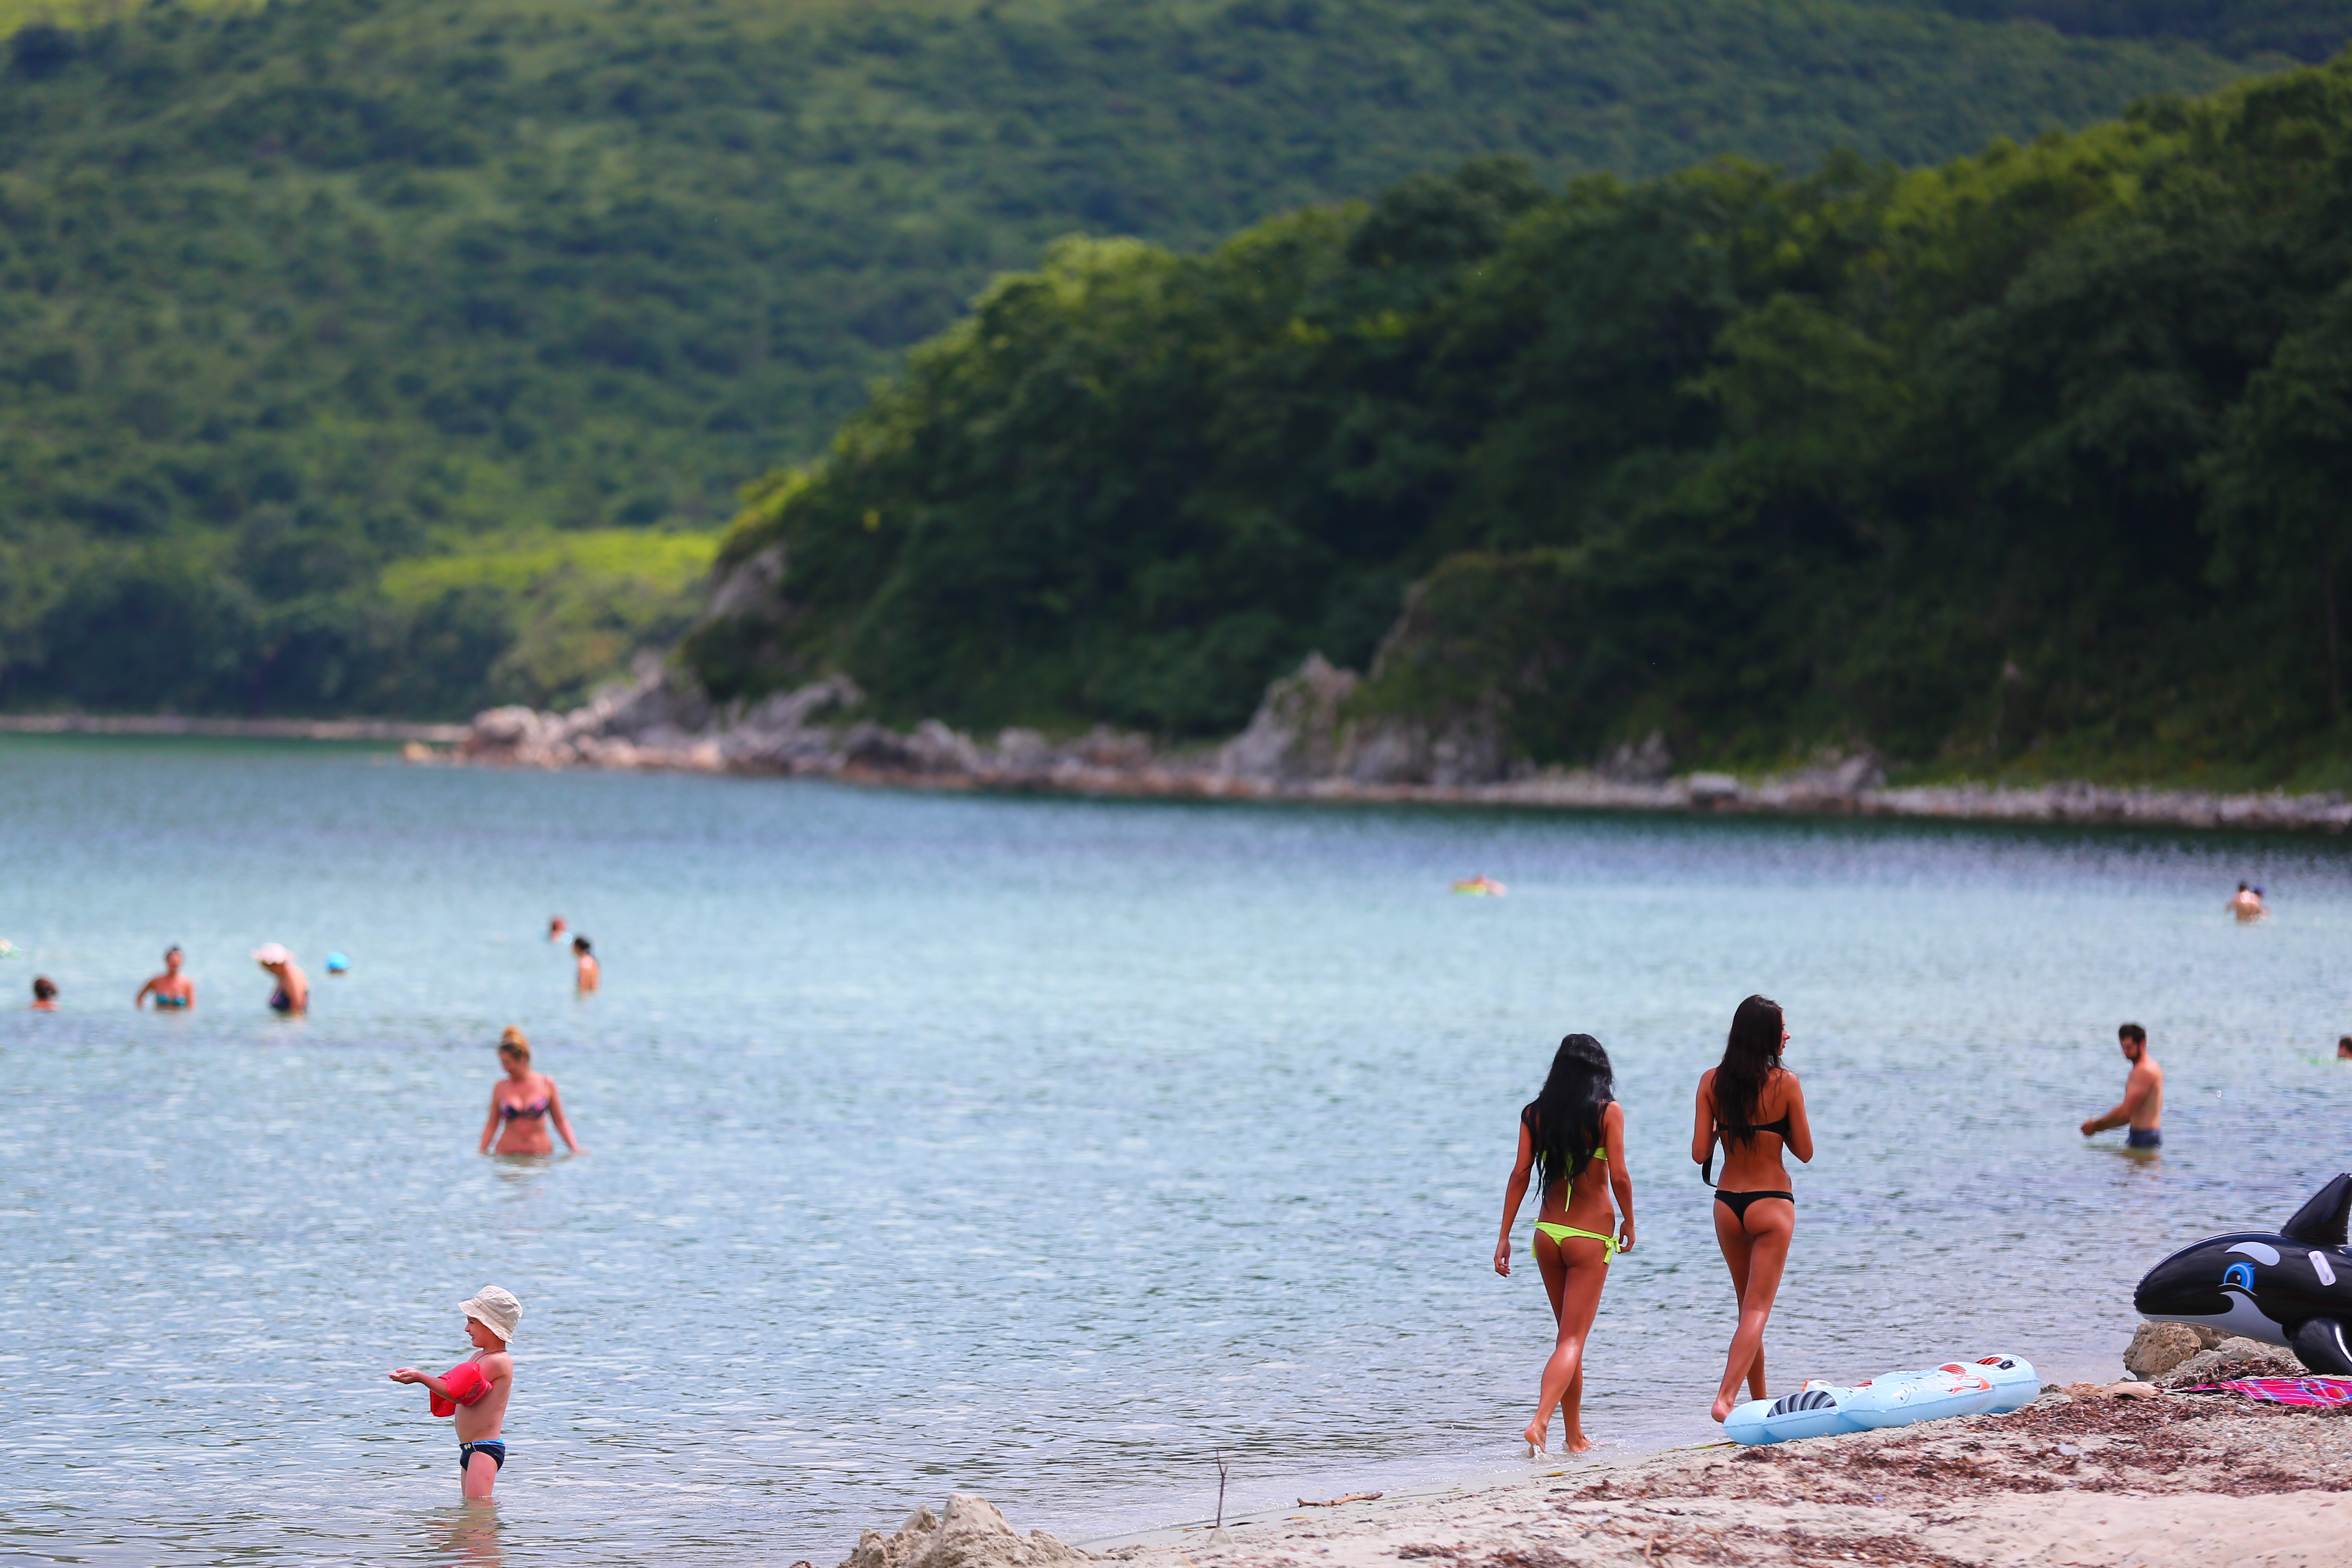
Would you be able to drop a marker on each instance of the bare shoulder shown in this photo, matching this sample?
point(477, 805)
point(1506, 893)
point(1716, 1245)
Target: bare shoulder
point(495, 1364)
point(1707, 1082)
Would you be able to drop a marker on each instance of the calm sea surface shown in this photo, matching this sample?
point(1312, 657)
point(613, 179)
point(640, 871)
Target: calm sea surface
point(1038, 1148)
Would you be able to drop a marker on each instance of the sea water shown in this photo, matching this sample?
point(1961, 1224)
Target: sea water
point(1047, 1149)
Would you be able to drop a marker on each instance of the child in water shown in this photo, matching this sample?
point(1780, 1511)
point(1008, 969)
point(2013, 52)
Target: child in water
point(584, 965)
point(477, 1389)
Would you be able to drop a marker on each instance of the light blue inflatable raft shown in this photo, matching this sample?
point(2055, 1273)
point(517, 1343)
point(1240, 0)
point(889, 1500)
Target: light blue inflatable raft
point(1993, 1385)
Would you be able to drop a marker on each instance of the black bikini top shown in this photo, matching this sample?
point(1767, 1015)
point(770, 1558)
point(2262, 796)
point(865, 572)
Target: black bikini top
point(1778, 1129)
point(510, 1111)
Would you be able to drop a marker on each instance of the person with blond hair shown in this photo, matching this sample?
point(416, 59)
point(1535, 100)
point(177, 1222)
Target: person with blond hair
point(523, 1104)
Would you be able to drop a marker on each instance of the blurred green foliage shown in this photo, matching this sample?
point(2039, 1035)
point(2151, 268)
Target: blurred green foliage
point(292, 294)
point(2305, 29)
point(2038, 459)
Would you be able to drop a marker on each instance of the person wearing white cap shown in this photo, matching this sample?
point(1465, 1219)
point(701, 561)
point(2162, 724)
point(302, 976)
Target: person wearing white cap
point(477, 1389)
point(293, 996)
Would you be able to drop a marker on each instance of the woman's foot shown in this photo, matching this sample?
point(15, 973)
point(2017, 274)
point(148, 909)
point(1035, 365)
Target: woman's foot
point(1578, 1443)
point(1722, 1408)
point(1536, 1435)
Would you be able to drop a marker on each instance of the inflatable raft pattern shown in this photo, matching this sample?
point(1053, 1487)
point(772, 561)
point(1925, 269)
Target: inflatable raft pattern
point(1993, 1385)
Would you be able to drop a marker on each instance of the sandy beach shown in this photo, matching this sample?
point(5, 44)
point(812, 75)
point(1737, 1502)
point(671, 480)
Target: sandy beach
point(2164, 1482)
point(2080, 1479)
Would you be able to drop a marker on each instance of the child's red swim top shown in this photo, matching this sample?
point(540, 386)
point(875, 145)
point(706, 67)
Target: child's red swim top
point(466, 1384)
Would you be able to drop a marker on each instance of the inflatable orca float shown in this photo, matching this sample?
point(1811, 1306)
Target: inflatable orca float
point(2291, 1288)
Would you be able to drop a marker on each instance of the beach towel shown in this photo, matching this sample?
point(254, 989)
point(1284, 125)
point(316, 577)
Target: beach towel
point(2315, 1391)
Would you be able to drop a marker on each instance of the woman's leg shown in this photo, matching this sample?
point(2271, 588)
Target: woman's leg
point(1757, 1247)
point(1586, 1271)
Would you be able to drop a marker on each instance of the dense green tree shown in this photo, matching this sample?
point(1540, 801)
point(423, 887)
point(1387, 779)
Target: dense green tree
point(291, 295)
point(2033, 458)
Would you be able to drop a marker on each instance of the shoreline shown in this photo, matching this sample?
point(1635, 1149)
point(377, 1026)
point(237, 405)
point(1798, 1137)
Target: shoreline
point(385, 729)
point(1111, 765)
point(2079, 1476)
point(1297, 748)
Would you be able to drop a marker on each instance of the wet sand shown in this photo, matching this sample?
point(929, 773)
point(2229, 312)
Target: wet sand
point(2167, 1482)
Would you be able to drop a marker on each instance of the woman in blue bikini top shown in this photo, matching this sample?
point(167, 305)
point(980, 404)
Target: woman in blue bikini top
point(171, 992)
point(1573, 1126)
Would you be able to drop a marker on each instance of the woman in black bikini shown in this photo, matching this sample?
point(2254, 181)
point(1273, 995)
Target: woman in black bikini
point(1756, 1108)
point(522, 1103)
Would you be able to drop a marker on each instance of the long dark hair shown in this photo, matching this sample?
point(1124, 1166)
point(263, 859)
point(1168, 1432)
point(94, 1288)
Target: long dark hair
point(1565, 1118)
point(1752, 1055)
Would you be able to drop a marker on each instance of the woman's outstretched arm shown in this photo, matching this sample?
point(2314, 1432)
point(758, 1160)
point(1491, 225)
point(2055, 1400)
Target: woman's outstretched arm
point(1621, 1175)
point(1514, 1191)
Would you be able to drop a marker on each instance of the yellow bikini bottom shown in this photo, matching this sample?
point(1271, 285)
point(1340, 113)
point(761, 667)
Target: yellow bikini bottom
point(1560, 1233)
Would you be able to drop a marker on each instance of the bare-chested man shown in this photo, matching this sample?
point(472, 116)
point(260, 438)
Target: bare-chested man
point(2246, 903)
point(2143, 1102)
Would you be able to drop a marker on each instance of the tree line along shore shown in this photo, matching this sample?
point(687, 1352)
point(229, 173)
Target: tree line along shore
point(2012, 467)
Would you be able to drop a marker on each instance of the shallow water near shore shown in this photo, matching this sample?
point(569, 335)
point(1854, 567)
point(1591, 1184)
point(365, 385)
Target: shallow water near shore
point(1040, 1148)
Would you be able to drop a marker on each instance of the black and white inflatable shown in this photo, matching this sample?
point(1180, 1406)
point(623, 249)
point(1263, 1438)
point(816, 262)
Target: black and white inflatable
point(2290, 1287)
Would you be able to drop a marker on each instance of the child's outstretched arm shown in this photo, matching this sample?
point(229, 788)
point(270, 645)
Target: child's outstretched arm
point(437, 1388)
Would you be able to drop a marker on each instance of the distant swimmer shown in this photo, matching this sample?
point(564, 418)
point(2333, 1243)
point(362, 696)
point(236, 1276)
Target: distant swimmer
point(2344, 1047)
point(1756, 1109)
point(173, 991)
point(556, 928)
point(293, 996)
point(45, 993)
point(587, 973)
point(2143, 1102)
point(2246, 904)
point(1572, 1126)
point(522, 1103)
point(1481, 886)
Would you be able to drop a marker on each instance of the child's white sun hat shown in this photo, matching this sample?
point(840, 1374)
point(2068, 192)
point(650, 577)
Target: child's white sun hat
point(494, 1309)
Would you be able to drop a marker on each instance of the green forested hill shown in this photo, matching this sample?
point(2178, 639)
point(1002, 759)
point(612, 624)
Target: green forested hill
point(2036, 459)
point(291, 295)
point(2306, 29)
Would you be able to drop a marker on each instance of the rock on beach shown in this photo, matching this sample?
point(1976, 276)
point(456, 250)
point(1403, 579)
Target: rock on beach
point(971, 1533)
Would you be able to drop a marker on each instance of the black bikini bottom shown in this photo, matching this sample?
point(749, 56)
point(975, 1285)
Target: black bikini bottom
point(494, 1449)
point(1738, 1202)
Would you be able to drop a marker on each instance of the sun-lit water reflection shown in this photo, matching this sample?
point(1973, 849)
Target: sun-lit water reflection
point(1038, 1148)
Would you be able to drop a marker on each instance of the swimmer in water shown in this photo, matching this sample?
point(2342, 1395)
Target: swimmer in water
point(1756, 1108)
point(293, 996)
point(522, 1103)
point(556, 928)
point(45, 993)
point(477, 1389)
point(2246, 903)
point(174, 991)
point(585, 971)
point(2143, 1101)
point(2344, 1047)
point(1572, 1136)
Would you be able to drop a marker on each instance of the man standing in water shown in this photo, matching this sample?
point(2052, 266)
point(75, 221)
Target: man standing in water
point(2143, 1102)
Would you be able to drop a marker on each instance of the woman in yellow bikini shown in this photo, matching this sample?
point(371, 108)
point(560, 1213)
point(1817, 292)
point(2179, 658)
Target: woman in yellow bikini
point(1573, 1126)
